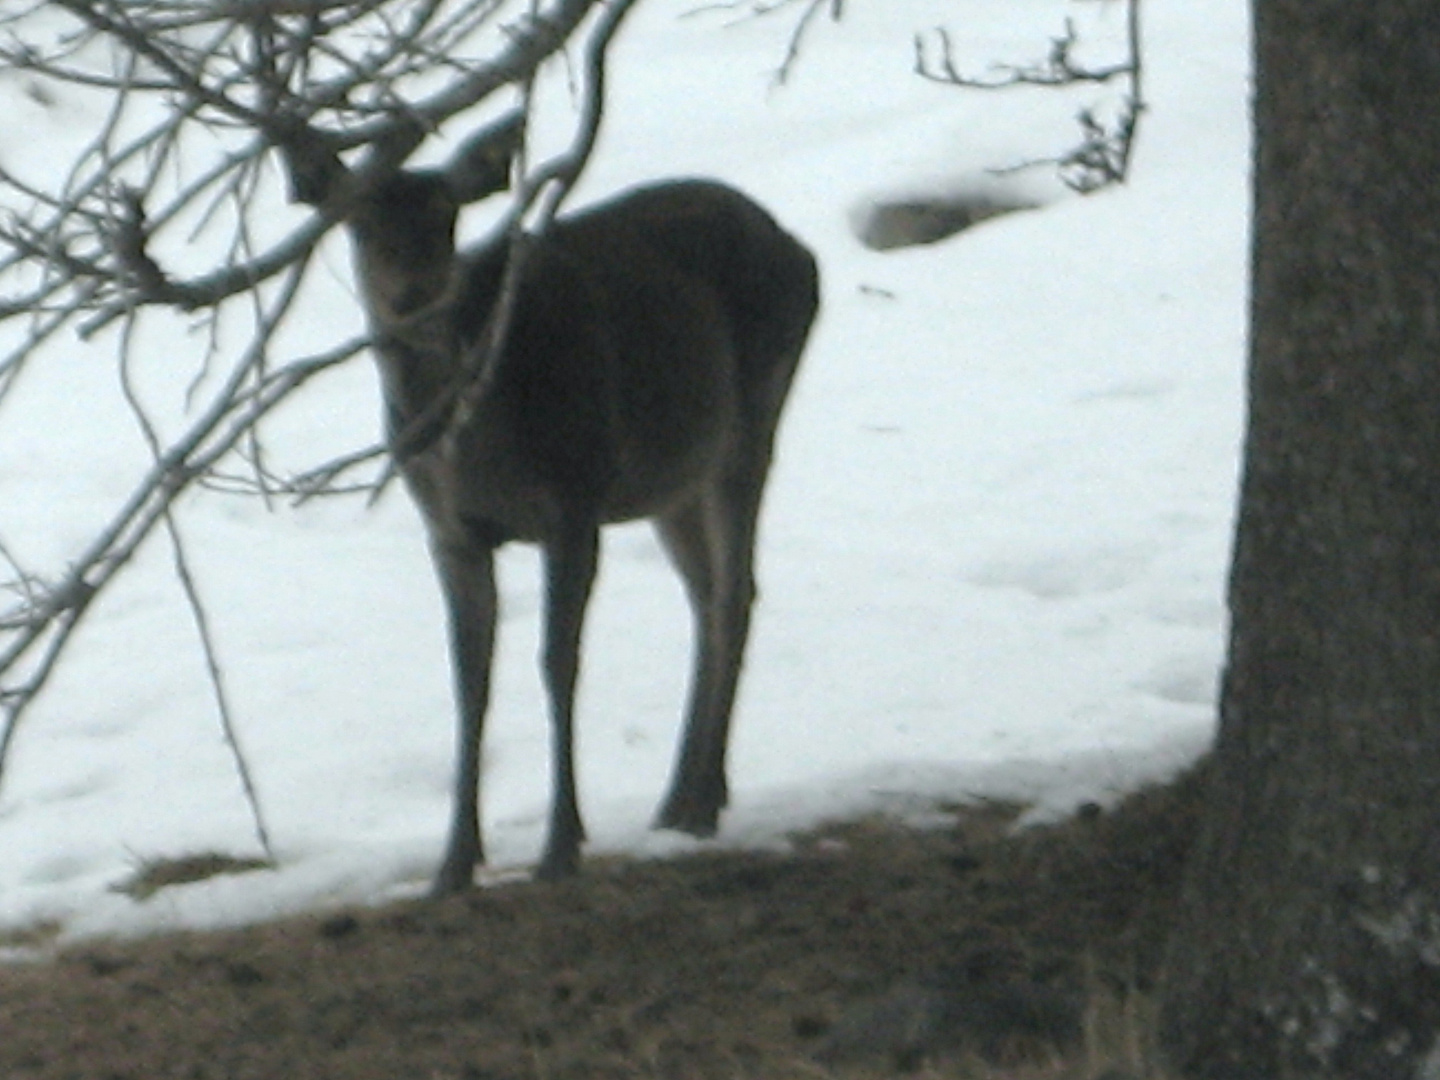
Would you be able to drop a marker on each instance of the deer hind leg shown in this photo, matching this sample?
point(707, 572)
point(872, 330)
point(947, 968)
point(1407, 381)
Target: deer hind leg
point(570, 563)
point(686, 539)
point(467, 577)
point(711, 540)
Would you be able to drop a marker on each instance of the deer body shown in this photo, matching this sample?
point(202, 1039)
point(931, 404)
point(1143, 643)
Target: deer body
point(652, 344)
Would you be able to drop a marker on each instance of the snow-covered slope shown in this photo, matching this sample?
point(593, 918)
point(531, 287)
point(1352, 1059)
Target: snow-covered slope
point(992, 558)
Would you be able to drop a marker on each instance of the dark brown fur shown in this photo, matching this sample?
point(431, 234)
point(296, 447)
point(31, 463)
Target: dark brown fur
point(653, 343)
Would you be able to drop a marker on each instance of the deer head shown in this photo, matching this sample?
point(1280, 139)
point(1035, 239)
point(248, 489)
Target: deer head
point(403, 222)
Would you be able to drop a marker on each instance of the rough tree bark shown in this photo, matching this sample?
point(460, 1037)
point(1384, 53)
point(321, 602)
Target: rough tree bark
point(1309, 940)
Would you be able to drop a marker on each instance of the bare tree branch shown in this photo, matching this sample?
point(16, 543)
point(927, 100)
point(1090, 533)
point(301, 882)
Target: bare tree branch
point(1107, 136)
point(199, 100)
point(1103, 155)
point(810, 10)
point(549, 186)
point(191, 589)
point(213, 92)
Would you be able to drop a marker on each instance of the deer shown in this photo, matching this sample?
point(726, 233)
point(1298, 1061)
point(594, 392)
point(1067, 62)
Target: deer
point(650, 348)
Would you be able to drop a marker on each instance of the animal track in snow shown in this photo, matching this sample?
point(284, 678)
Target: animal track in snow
point(76, 788)
point(1063, 576)
point(1185, 681)
point(60, 869)
point(1198, 611)
point(1131, 390)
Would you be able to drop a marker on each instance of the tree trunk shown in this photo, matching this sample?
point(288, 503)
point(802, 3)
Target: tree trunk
point(1309, 939)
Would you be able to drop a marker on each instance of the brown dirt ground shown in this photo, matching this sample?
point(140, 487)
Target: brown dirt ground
point(965, 951)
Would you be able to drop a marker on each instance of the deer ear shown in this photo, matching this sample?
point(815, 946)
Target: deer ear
point(481, 166)
point(313, 166)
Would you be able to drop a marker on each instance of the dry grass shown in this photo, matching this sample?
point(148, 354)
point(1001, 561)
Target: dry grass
point(151, 875)
point(962, 952)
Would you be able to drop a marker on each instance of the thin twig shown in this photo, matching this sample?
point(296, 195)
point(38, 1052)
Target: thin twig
point(203, 92)
point(547, 189)
point(191, 590)
point(1104, 152)
point(759, 9)
point(36, 648)
point(216, 675)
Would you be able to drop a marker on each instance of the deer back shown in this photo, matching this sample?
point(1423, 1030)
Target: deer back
point(618, 384)
point(767, 283)
point(641, 345)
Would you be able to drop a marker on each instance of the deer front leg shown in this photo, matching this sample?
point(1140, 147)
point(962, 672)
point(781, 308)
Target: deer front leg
point(570, 562)
point(467, 577)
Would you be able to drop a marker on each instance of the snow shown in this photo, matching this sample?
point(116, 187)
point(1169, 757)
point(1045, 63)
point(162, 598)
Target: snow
point(993, 554)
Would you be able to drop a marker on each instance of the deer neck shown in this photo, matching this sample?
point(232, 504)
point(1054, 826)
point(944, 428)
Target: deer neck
point(419, 355)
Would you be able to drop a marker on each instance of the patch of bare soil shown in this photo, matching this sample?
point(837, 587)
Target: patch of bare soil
point(969, 950)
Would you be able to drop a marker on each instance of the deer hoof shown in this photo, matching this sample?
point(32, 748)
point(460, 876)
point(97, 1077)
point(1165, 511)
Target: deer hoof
point(452, 878)
point(689, 817)
point(558, 865)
